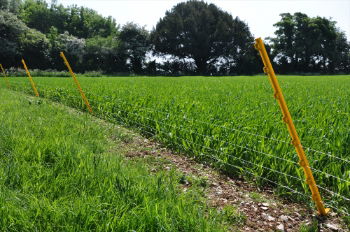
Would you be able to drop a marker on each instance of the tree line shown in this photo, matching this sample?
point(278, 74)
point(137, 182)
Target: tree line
point(193, 38)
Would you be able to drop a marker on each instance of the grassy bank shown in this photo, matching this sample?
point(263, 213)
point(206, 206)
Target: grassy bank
point(57, 173)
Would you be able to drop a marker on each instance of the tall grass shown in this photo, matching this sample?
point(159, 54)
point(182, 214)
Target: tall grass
point(57, 174)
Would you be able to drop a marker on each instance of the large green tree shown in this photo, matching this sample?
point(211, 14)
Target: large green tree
point(134, 46)
point(202, 32)
point(73, 47)
point(36, 14)
point(35, 48)
point(10, 30)
point(17, 41)
point(304, 44)
point(102, 53)
point(78, 21)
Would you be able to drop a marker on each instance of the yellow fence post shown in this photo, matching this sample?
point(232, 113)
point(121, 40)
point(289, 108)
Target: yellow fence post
point(76, 82)
point(5, 76)
point(30, 78)
point(304, 163)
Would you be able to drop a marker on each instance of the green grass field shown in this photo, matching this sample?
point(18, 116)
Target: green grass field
point(232, 122)
point(57, 173)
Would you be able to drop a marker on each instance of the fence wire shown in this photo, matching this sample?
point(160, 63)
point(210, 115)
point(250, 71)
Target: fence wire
point(239, 129)
point(211, 124)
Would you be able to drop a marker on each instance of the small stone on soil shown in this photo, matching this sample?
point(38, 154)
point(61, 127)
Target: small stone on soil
point(280, 227)
point(284, 218)
point(268, 217)
point(333, 227)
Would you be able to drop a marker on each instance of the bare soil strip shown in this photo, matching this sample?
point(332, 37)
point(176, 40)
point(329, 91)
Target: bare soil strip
point(262, 209)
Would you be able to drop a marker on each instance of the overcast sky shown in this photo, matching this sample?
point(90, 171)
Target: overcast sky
point(260, 15)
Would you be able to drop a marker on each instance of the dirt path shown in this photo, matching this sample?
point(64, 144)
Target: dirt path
point(261, 209)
